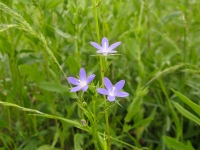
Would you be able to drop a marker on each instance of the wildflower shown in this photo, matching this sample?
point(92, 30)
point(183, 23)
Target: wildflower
point(105, 48)
point(112, 91)
point(82, 83)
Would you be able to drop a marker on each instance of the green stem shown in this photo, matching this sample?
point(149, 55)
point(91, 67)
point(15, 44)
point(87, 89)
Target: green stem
point(96, 21)
point(107, 129)
point(101, 67)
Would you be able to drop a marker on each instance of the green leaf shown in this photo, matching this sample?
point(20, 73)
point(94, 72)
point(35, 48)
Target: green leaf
point(189, 145)
point(64, 35)
point(78, 141)
point(186, 113)
point(134, 107)
point(53, 3)
point(175, 145)
point(32, 72)
point(192, 105)
point(53, 87)
point(47, 147)
point(73, 65)
point(71, 122)
point(56, 87)
point(142, 122)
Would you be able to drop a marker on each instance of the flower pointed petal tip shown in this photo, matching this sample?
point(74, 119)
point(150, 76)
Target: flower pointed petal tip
point(111, 98)
point(119, 85)
point(122, 94)
point(97, 46)
point(108, 84)
point(82, 74)
point(73, 80)
point(102, 91)
point(105, 41)
point(90, 78)
point(75, 89)
point(113, 46)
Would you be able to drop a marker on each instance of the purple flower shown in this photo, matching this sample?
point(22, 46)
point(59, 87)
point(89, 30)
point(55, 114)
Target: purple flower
point(105, 48)
point(82, 83)
point(112, 91)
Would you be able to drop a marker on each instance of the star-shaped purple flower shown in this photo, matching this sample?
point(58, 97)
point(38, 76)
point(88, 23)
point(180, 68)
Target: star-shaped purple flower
point(105, 48)
point(82, 83)
point(112, 91)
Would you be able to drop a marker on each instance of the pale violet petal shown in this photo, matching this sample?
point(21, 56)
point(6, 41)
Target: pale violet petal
point(75, 89)
point(121, 94)
point(105, 43)
point(119, 85)
point(113, 46)
point(73, 80)
point(102, 91)
point(108, 84)
point(97, 46)
point(112, 51)
point(111, 98)
point(90, 78)
point(85, 88)
point(104, 52)
point(100, 51)
point(82, 75)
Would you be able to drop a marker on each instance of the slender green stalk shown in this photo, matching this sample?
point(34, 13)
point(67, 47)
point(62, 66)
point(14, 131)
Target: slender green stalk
point(96, 20)
point(101, 68)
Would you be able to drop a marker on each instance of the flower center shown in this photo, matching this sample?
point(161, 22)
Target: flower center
point(112, 93)
point(82, 83)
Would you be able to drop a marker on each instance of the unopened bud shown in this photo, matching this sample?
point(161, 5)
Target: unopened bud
point(84, 104)
point(83, 122)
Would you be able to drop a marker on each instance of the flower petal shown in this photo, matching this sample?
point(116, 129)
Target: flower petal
point(111, 98)
point(121, 94)
point(77, 88)
point(102, 91)
point(112, 51)
point(100, 51)
point(104, 52)
point(90, 78)
point(73, 81)
point(108, 84)
point(97, 46)
point(105, 43)
point(85, 88)
point(113, 46)
point(82, 74)
point(119, 85)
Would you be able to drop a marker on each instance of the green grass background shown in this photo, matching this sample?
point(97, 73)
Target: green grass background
point(42, 42)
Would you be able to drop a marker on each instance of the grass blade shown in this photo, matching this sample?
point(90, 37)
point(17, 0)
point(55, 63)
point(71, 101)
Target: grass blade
point(186, 113)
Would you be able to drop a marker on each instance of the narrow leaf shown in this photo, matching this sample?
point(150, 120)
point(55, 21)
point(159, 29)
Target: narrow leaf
point(175, 145)
point(186, 100)
point(186, 113)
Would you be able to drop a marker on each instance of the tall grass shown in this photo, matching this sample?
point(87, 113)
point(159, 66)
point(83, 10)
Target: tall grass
point(43, 42)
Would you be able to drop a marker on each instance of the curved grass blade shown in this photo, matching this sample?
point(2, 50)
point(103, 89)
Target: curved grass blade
point(175, 145)
point(23, 25)
point(186, 113)
point(186, 100)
